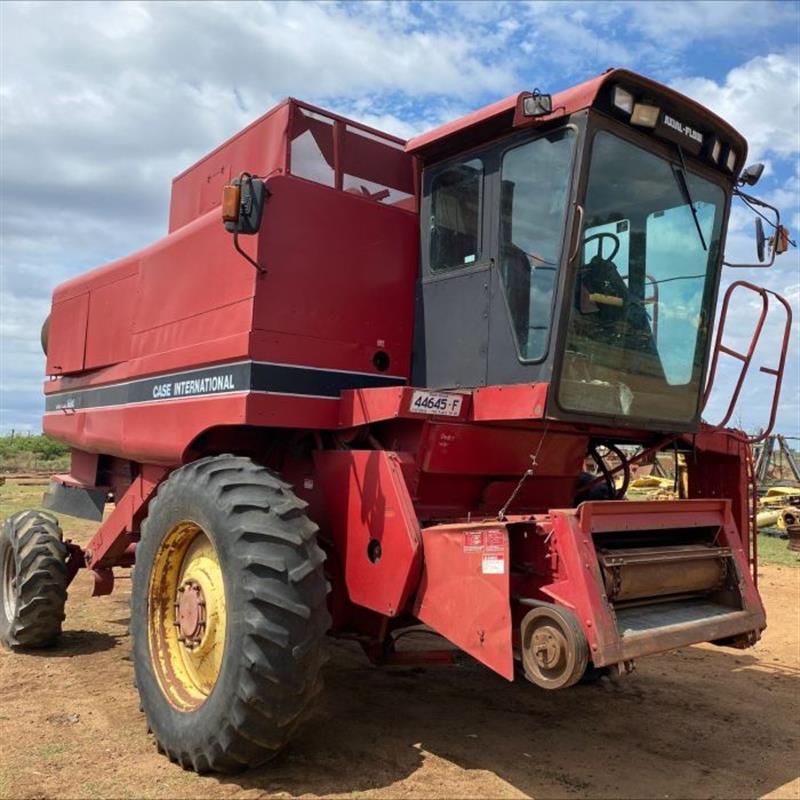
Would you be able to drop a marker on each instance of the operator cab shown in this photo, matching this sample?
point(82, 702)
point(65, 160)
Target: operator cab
point(579, 248)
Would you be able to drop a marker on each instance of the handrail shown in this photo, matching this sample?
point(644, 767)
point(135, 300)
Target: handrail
point(746, 358)
point(752, 509)
point(577, 228)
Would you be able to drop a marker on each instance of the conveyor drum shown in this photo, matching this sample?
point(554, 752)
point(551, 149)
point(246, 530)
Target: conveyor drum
point(637, 573)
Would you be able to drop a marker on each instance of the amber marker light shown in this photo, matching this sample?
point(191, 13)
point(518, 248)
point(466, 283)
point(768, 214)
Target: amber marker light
point(231, 203)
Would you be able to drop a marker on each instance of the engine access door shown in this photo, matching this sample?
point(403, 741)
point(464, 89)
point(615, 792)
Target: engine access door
point(453, 297)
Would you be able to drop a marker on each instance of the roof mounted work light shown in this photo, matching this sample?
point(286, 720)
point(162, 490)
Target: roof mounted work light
point(537, 104)
point(622, 100)
point(715, 151)
point(645, 115)
point(730, 160)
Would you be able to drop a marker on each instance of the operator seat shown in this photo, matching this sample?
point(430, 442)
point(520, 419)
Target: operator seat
point(625, 324)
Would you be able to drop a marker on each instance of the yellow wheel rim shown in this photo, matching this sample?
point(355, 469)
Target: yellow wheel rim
point(186, 616)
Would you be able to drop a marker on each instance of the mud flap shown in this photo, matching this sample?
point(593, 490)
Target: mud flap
point(372, 519)
point(77, 501)
point(464, 591)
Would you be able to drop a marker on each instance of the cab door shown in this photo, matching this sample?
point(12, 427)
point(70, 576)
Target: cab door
point(454, 291)
point(534, 179)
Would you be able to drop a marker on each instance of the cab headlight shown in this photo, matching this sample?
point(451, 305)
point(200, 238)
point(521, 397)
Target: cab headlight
point(645, 115)
point(623, 100)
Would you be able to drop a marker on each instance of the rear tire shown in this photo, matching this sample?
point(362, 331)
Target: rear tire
point(33, 580)
point(229, 614)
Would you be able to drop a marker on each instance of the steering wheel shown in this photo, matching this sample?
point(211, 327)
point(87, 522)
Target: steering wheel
point(599, 238)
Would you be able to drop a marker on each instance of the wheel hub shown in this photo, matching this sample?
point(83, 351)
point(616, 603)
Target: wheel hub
point(187, 617)
point(553, 649)
point(548, 647)
point(190, 613)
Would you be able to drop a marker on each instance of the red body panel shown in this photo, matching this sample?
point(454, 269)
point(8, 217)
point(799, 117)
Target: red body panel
point(195, 302)
point(155, 433)
point(525, 401)
point(371, 518)
point(194, 279)
point(463, 593)
point(68, 320)
point(110, 323)
point(342, 284)
point(261, 149)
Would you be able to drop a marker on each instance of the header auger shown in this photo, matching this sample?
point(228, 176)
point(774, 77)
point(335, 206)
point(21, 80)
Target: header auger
point(364, 400)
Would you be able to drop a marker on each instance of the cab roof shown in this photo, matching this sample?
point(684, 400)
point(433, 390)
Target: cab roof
point(505, 115)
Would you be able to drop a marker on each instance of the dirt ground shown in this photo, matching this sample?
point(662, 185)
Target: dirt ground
point(699, 722)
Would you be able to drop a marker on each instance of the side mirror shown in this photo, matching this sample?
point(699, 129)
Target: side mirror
point(761, 240)
point(243, 204)
point(765, 248)
point(537, 105)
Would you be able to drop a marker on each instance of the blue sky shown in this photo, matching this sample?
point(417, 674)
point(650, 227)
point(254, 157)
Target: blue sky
point(101, 104)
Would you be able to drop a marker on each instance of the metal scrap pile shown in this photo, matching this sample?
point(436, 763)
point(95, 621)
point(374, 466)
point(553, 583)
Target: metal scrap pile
point(778, 476)
point(779, 514)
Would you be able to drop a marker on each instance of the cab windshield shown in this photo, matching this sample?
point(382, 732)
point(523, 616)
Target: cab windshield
point(639, 310)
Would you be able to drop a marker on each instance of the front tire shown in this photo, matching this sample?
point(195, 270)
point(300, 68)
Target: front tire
point(229, 614)
point(33, 580)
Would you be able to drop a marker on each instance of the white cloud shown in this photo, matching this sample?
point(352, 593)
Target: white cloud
point(761, 99)
point(656, 37)
point(679, 23)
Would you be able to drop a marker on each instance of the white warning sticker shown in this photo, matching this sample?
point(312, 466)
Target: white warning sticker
point(493, 565)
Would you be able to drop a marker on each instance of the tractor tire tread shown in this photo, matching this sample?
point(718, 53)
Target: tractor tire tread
point(40, 555)
point(284, 616)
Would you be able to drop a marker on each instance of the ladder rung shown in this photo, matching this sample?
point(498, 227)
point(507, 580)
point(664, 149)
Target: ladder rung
point(733, 353)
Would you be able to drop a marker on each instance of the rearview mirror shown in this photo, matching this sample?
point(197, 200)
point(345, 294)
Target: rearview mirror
point(765, 249)
point(243, 204)
point(760, 240)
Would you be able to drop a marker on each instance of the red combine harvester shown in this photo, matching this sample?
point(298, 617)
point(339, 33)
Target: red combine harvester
point(365, 403)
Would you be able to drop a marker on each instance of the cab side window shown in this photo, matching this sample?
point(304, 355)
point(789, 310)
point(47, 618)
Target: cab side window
point(455, 215)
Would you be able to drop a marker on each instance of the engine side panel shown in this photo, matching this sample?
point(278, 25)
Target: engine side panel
point(67, 337)
point(340, 282)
